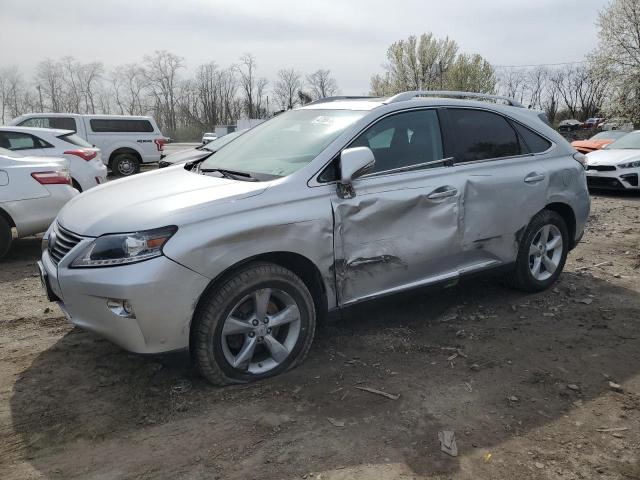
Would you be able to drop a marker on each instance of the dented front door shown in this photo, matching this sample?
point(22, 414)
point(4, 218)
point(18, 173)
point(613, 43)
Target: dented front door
point(398, 231)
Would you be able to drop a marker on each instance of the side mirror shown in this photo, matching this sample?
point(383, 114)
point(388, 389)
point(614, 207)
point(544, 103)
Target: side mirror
point(355, 162)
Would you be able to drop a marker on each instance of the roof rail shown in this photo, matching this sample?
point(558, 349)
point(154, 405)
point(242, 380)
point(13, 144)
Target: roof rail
point(401, 97)
point(335, 99)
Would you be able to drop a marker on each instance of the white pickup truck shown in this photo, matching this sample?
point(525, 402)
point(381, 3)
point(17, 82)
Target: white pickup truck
point(126, 142)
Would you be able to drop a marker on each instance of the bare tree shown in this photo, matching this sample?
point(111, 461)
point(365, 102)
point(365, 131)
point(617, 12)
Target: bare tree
point(247, 72)
point(161, 72)
point(49, 80)
point(286, 88)
point(321, 84)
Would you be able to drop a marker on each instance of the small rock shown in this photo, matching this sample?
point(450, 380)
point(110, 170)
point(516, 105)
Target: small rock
point(47, 310)
point(475, 367)
point(586, 300)
point(539, 465)
point(513, 398)
point(573, 387)
point(615, 387)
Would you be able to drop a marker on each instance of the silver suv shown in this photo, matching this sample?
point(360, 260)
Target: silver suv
point(341, 201)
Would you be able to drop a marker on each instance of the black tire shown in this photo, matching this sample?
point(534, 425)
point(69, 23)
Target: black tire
point(125, 164)
point(521, 276)
point(206, 347)
point(5, 237)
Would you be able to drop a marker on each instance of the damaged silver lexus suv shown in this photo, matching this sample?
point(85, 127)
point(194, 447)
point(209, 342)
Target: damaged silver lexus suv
point(234, 257)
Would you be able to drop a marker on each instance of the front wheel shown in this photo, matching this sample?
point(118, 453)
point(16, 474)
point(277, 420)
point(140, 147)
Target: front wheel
point(542, 253)
point(257, 323)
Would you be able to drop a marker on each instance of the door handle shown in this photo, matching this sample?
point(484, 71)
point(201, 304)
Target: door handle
point(442, 192)
point(534, 177)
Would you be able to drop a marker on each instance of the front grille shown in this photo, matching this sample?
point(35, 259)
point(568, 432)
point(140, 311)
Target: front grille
point(604, 182)
point(61, 241)
point(602, 168)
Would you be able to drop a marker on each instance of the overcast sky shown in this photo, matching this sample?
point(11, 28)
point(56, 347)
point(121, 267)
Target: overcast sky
point(350, 37)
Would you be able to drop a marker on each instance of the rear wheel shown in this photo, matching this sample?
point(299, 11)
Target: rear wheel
point(5, 237)
point(257, 323)
point(542, 253)
point(125, 164)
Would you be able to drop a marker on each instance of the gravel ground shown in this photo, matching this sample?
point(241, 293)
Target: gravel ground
point(522, 380)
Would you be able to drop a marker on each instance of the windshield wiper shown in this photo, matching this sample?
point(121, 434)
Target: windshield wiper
point(232, 174)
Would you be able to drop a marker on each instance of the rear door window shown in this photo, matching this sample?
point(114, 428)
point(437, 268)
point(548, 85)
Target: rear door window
point(481, 135)
point(120, 126)
point(21, 141)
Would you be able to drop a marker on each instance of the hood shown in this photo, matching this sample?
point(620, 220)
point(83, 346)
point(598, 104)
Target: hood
point(612, 157)
point(185, 156)
point(591, 144)
point(169, 196)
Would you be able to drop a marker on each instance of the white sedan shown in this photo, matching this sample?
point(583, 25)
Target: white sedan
point(85, 161)
point(616, 166)
point(32, 192)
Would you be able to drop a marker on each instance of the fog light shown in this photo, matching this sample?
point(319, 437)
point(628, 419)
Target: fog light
point(121, 307)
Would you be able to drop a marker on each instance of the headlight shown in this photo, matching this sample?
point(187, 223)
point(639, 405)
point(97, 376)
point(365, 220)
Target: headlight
point(635, 164)
point(124, 248)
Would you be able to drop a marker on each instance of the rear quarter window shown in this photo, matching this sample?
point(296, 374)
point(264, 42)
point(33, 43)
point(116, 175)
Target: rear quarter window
point(120, 126)
point(532, 142)
point(74, 139)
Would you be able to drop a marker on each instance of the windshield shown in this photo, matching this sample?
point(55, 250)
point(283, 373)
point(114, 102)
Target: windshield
point(628, 141)
point(220, 142)
point(285, 143)
point(609, 135)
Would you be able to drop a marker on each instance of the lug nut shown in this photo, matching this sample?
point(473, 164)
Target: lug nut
point(260, 339)
point(255, 323)
point(251, 334)
point(266, 320)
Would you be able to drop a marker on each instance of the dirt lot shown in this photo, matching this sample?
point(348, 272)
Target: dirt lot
point(523, 380)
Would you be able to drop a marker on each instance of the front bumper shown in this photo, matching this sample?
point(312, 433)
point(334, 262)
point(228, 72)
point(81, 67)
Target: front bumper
point(163, 293)
point(613, 180)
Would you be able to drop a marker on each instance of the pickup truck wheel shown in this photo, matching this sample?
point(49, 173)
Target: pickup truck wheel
point(257, 323)
point(5, 237)
point(542, 253)
point(125, 164)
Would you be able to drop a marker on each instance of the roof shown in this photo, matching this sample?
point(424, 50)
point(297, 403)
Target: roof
point(42, 131)
point(100, 116)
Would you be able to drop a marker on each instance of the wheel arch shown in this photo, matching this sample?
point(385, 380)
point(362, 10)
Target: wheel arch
point(4, 214)
point(121, 150)
point(304, 268)
point(569, 217)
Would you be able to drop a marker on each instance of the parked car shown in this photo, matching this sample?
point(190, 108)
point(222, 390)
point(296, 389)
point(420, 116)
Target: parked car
point(198, 153)
point(569, 125)
point(208, 137)
point(593, 122)
point(316, 209)
point(126, 142)
point(616, 166)
point(32, 191)
point(85, 161)
point(617, 124)
point(598, 141)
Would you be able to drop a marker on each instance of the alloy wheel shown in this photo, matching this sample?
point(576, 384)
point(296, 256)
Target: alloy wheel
point(545, 252)
point(260, 331)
